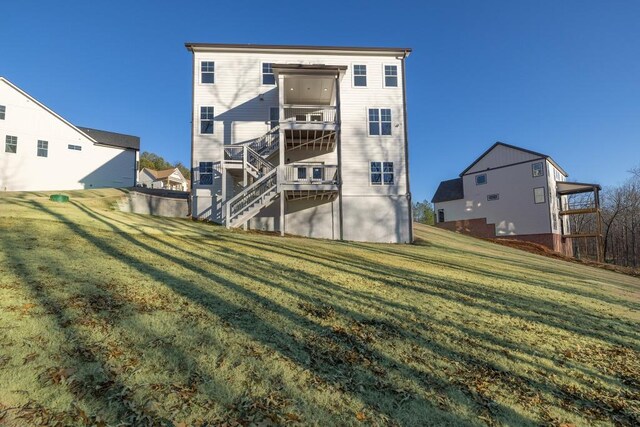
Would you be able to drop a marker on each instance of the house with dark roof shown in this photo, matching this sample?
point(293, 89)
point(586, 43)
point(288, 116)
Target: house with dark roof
point(43, 151)
point(168, 179)
point(512, 192)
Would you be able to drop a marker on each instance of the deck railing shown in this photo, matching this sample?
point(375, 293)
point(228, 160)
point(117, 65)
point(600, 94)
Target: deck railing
point(304, 173)
point(310, 113)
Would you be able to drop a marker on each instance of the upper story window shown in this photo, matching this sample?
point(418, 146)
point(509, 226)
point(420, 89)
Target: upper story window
point(537, 169)
point(390, 76)
point(206, 120)
point(43, 148)
point(268, 77)
point(206, 173)
point(3, 110)
point(360, 75)
point(207, 72)
point(481, 179)
point(11, 144)
point(538, 195)
point(379, 121)
point(74, 147)
point(382, 173)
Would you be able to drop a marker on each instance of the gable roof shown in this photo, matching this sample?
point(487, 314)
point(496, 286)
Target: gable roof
point(449, 190)
point(112, 138)
point(50, 111)
point(534, 153)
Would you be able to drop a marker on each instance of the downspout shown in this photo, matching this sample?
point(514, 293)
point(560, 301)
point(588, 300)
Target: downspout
point(406, 144)
point(193, 70)
point(339, 142)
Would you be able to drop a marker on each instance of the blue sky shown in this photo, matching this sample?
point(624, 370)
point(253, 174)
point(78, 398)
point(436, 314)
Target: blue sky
point(559, 77)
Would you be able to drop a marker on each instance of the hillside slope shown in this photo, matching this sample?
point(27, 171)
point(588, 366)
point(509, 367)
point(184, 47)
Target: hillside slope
point(143, 320)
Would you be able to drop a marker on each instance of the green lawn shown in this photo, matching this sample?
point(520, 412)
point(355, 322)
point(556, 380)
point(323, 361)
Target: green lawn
point(115, 318)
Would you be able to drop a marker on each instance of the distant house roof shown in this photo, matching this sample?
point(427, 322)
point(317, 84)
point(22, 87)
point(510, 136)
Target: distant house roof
point(162, 174)
point(113, 139)
point(449, 190)
point(535, 153)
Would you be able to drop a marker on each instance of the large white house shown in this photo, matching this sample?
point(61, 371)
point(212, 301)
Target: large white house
point(306, 140)
point(514, 193)
point(42, 151)
point(168, 179)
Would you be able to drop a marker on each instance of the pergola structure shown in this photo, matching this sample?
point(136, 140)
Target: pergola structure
point(564, 188)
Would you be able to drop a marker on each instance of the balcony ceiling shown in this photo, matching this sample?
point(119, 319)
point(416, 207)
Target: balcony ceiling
point(308, 90)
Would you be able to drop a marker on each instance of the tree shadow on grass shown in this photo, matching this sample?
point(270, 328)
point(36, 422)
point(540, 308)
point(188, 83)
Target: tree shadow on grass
point(337, 357)
point(248, 272)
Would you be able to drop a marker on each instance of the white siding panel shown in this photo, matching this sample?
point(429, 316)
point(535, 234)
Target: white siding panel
point(501, 156)
point(94, 166)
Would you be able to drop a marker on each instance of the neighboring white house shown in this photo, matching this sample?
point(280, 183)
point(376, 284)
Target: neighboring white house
point(511, 192)
point(306, 140)
point(169, 179)
point(42, 151)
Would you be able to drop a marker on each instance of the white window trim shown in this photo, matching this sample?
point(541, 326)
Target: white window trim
point(380, 115)
point(5, 144)
point(544, 196)
point(353, 75)
point(382, 184)
point(46, 150)
point(200, 73)
point(199, 123)
point(532, 169)
point(384, 76)
point(275, 80)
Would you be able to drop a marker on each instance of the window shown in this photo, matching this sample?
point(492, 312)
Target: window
point(537, 169)
point(302, 173)
point(440, 215)
point(11, 144)
point(207, 72)
point(268, 78)
point(206, 173)
point(481, 179)
point(3, 110)
point(538, 195)
point(206, 120)
point(74, 147)
point(381, 173)
point(360, 75)
point(316, 174)
point(492, 197)
point(379, 121)
point(274, 117)
point(390, 76)
point(43, 148)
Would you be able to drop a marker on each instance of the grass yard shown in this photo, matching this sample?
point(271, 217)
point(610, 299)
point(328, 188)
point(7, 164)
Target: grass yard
point(113, 318)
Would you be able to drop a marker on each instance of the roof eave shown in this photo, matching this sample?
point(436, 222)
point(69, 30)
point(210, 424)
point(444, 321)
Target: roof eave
point(193, 47)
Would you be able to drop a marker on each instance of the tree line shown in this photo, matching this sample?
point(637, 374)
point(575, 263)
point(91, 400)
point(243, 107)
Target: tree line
point(620, 212)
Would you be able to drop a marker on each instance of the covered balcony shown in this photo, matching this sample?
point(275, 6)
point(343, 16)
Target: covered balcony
point(308, 110)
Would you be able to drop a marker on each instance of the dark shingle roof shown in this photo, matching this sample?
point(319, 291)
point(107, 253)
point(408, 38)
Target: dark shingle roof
point(449, 190)
point(112, 138)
